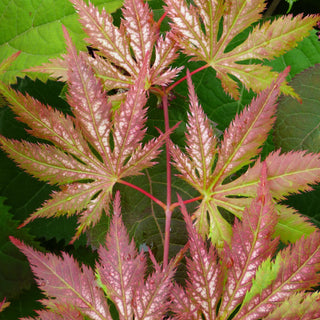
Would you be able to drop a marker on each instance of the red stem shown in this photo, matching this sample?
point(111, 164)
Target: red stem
point(168, 210)
point(156, 200)
point(161, 19)
point(185, 77)
point(176, 204)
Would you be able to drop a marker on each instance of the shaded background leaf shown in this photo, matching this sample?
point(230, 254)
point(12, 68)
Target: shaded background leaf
point(34, 28)
point(298, 125)
point(15, 273)
point(298, 128)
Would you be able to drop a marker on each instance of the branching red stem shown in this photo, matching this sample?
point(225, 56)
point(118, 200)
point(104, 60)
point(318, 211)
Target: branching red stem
point(176, 204)
point(185, 77)
point(156, 200)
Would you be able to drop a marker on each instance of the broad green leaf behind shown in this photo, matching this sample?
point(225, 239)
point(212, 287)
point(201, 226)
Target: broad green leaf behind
point(34, 28)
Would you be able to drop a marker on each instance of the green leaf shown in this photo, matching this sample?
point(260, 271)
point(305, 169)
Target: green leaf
point(297, 125)
point(15, 273)
point(265, 275)
point(34, 28)
point(304, 56)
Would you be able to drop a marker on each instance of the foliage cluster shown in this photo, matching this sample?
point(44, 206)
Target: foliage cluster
point(102, 144)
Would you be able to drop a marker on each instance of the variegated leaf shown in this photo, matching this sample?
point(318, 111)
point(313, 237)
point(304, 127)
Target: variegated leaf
point(91, 151)
point(120, 269)
point(241, 143)
point(62, 278)
point(89, 102)
point(298, 270)
point(205, 276)
point(243, 139)
point(251, 244)
point(48, 163)
point(199, 33)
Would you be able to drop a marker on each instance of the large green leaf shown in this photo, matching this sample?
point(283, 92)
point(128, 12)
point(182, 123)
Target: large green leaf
point(34, 28)
point(298, 128)
point(298, 124)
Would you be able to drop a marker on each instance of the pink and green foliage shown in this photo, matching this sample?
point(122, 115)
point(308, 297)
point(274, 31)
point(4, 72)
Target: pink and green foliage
point(244, 280)
point(198, 32)
point(70, 161)
point(4, 304)
point(101, 143)
point(98, 146)
point(125, 50)
point(240, 144)
point(118, 276)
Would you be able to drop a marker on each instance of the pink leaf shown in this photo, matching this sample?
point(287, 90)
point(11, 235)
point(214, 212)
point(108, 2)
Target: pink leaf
point(128, 47)
point(196, 168)
point(63, 279)
point(110, 40)
point(47, 162)
point(151, 298)
point(183, 306)
point(198, 32)
point(251, 244)
point(241, 143)
point(43, 122)
point(299, 266)
point(89, 102)
point(120, 268)
point(205, 276)
point(246, 134)
point(140, 27)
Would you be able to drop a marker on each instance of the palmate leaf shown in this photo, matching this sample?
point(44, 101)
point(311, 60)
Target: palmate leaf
point(241, 143)
point(248, 284)
point(205, 29)
point(71, 162)
point(76, 293)
point(122, 52)
point(63, 279)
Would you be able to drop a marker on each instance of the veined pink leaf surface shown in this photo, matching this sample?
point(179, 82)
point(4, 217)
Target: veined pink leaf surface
point(198, 32)
point(152, 298)
point(121, 269)
point(204, 272)
point(73, 292)
point(219, 281)
point(251, 244)
point(299, 265)
point(123, 48)
point(63, 279)
point(201, 146)
point(66, 312)
point(89, 103)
